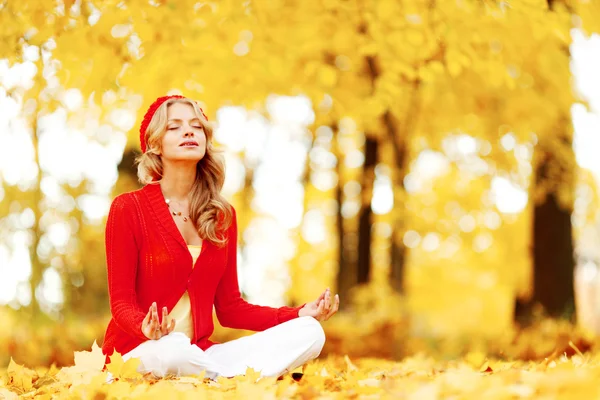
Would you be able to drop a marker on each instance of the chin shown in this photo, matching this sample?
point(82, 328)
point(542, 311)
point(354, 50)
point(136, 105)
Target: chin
point(187, 157)
point(188, 153)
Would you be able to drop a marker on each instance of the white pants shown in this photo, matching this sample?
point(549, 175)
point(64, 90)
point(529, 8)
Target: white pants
point(272, 352)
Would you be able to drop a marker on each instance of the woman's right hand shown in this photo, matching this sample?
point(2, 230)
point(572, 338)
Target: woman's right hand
point(152, 328)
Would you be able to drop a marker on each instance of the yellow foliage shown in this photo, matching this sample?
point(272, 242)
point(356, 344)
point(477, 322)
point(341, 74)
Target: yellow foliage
point(90, 360)
point(123, 369)
point(568, 370)
point(485, 69)
point(20, 378)
point(88, 364)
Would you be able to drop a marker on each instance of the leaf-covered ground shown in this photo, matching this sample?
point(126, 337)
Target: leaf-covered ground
point(549, 359)
point(418, 377)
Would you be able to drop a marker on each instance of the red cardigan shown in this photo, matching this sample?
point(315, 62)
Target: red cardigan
point(148, 260)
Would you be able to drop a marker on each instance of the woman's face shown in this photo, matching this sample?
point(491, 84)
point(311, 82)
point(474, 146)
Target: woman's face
point(185, 138)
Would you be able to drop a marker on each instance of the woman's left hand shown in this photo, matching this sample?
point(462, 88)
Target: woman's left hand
point(322, 308)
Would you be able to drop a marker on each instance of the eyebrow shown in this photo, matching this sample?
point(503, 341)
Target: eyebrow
point(180, 120)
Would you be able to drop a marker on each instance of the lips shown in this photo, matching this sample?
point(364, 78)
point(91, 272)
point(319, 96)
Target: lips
point(189, 143)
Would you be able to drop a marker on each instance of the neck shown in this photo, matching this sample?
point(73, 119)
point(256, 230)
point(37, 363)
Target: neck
point(177, 180)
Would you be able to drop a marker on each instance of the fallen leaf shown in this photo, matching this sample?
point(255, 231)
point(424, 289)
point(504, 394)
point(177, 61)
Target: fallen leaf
point(350, 366)
point(123, 369)
point(20, 377)
point(90, 360)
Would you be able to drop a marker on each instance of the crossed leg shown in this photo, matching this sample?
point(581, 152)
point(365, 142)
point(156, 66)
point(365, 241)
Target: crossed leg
point(173, 354)
point(272, 352)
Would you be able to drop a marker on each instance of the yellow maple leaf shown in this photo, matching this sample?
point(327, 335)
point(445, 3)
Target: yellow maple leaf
point(20, 377)
point(249, 376)
point(87, 365)
point(123, 369)
point(90, 360)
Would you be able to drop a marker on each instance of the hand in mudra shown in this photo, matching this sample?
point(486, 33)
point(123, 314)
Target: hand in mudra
point(322, 308)
point(152, 328)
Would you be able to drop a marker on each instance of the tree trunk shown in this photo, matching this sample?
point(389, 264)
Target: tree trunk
point(346, 276)
point(553, 258)
point(552, 240)
point(365, 221)
point(396, 138)
point(127, 165)
point(397, 249)
point(347, 267)
point(552, 246)
point(397, 260)
point(37, 269)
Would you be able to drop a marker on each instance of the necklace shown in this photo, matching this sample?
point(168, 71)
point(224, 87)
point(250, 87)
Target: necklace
point(176, 213)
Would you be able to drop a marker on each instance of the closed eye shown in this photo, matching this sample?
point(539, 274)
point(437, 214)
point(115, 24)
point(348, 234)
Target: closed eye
point(176, 127)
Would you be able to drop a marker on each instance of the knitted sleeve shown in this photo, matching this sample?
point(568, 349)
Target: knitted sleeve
point(122, 261)
point(235, 312)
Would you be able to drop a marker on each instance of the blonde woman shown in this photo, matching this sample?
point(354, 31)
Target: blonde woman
point(171, 256)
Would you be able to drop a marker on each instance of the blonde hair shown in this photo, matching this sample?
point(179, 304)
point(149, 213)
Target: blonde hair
point(210, 213)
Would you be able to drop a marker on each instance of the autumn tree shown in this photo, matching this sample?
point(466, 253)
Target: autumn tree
point(408, 74)
point(30, 33)
point(553, 186)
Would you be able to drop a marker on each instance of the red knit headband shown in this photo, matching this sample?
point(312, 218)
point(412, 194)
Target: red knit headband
point(150, 113)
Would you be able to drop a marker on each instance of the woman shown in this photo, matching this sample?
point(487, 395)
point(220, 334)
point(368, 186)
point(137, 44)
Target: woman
point(171, 251)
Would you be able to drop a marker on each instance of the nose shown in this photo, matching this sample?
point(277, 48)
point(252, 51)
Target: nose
point(189, 133)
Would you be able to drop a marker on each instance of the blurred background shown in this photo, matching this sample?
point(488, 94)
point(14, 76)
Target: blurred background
point(436, 163)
